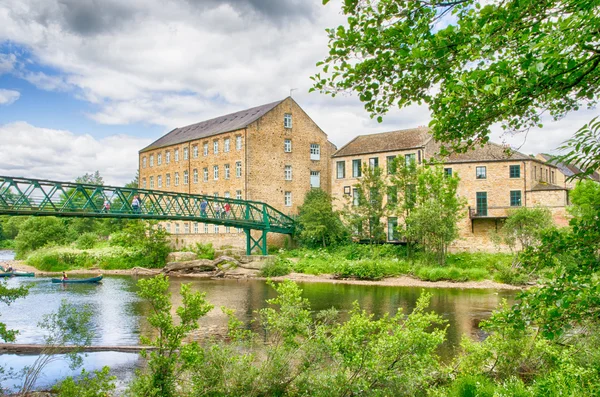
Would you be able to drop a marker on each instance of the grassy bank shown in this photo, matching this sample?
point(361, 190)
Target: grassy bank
point(372, 263)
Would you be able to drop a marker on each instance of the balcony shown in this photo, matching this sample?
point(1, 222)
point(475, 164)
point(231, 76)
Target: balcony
point(490, 212)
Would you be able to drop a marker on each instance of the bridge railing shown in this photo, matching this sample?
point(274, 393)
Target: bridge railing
point(24, 196)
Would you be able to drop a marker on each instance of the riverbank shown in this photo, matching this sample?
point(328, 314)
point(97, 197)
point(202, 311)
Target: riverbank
point(401, 281)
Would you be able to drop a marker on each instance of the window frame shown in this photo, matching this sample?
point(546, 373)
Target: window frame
point(315, 151)
point(195, 151)
point(287, 146)
point(186, 153)
point(356, 166)
point(205, 149)
point(287, 173)
point(195, 173)
point(478, 174)
point(287, 199)
point(205, 174)
point(176, 182)
point(215, 172)
point(341, 163)
point(216, 146)
point(514, 175)
point(238, 169)
point(238, 142)
point(287, 120)
point(227, 172)
point(226, 145)
point(186, 177)
point(168, 180)
point(176, 155)
point(374, 162)
point(448, 172)
point(315, 173)
point(518, 199)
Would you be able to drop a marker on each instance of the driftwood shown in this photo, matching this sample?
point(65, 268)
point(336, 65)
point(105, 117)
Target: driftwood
point(199, 265)
point(137, 270)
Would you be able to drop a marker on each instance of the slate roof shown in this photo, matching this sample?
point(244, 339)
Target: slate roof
point(546, 186)
point(219, 125)
point(568, 169)
point(488, 152)
point(386, 142)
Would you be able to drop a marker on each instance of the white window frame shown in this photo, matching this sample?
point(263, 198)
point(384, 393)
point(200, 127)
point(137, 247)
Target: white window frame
point(144, 162)
point(196, 231)
point(143, 183)
point(315, 151)
point(216, 172)
point(168, 180)
point(151, 182)
point(287, 199)
point(226, 145)
point(238, 169)
point(159, 181)
point(159, 159)
point(287, 146)
point(176, 179)
point(238, 194)
point(238, 142)
point(287, 172)
point(176, 227)
point(168, 158)
point(287, 120)
point(186, 154)
point(186, 228)
point(195, 151)
point(205, 172)
point(205, 149)
point(176, 152)
point(186, 177)
point(206, 228)
point(151, 160)
point(195, 175)
point(215, 147)
point(340, 166)
point(315, 174)
point(227, 171)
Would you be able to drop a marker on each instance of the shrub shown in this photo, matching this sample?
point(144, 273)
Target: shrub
point(435, 273)
point(86, 241)
point(276, 267)
point(35, 233)
point(95, 384)
point(508, 275)
point(204, 251)
point(472, 386)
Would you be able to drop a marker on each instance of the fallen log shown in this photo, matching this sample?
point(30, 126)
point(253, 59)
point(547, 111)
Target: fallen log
point(12, 348)
point(199, 265)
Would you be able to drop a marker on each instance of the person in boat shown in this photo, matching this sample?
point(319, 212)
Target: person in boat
point(64, 277)
point(10, 269)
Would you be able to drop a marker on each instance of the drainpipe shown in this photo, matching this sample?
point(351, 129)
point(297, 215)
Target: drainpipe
point(245, 148)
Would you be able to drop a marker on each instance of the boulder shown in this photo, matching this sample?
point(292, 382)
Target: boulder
point(181, 256)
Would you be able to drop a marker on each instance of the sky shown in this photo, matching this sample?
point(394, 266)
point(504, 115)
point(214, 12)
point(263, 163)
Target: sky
point(86, 84)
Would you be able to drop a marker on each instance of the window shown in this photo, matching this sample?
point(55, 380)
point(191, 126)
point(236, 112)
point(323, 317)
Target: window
point(552, 177)
point(287, 199)
point(206, 228)
point(216, 147)
point(315, 151)
point(226, 145)
point(151, 182)
point(186, 228)
point(176, 152)
point(205, 174)
point(374, 162)
point(409, 159)
point(195, 175)
point(167, 161)
point(227, 171)
point(341, 169)
point(515, 171)
point(216, 195)
point(196, 227)
point(159, 180)
point(392, 195)
point(226, 195)
point(287, 145)
point(238, 194)
point(355, 197)
point(168, 227)
point(143, 162)
point(515, 198)
point(534, 172)
point(481, 201)
point(356, 170)
point(238, 169)
point(168, 180)
point(176, 228)
point(448, 172)
point(143, 183)
point(315, 179)
point(186, 177)
point(205, 149)
point(288, 173)
point(195, 151)
point(216, 229)
point(177, 179)
point(480, 172)
point(159, 159)
point(186, 155)
point(216, 172)
point(391, 167)
point(392, 226)
point(287, 120)
point(151, 160)
point(547, 175)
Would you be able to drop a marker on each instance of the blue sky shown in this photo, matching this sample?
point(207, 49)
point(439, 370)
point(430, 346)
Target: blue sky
point(85, 84)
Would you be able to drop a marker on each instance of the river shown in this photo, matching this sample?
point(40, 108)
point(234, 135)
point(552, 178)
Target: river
point(119, 315)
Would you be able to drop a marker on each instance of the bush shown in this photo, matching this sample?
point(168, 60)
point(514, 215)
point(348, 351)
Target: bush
point(35, 233)
point(451, 273)
point(472, 386)
point(508, 275)
point(95, 384)
point(276, 267)
point(86, 241)
point(204, 251)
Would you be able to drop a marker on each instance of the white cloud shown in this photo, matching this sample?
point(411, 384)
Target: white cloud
point(30, 151)
point(8, 96)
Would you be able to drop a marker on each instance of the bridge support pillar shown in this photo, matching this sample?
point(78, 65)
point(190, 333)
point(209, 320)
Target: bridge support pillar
point(260, 242)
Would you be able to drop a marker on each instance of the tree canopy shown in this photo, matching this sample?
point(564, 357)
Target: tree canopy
point(473, 63)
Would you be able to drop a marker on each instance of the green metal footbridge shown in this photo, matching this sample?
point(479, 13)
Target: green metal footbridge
point(37, 197)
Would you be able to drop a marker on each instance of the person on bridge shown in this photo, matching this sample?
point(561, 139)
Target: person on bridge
point(135, 205)
point(106, 206)
point(217, 210)
point(203, 206)
point(227, 209)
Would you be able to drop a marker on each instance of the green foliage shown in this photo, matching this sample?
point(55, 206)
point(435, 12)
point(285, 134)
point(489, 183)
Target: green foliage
point(472, 386)
point(204, 251)
point(35, 233)
point(276, 267)
point(95, 384)
point(55, 259)
point(585, 199)
point(153, 242)
point(86, 241)
point(364, 215)
point(583, 149)
point(522, 229)
point(318, 223)
point(171, 355)
point(451, 273)
point(401, 53)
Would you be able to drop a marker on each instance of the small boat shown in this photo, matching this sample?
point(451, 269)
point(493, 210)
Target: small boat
point(16, 274)
point(91, 280)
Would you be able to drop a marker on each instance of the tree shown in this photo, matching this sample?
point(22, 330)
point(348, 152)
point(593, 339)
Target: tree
point(366, 209)
point(433, 220)
point(36, 232)
point(583, 149)
point(585, 199)
point(7, 296)
point(473, 63)
point(90, 179)
point(522, 229)
point(403, 178)
point(317, 220)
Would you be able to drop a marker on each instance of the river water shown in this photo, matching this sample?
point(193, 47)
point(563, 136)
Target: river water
point(119, 315)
